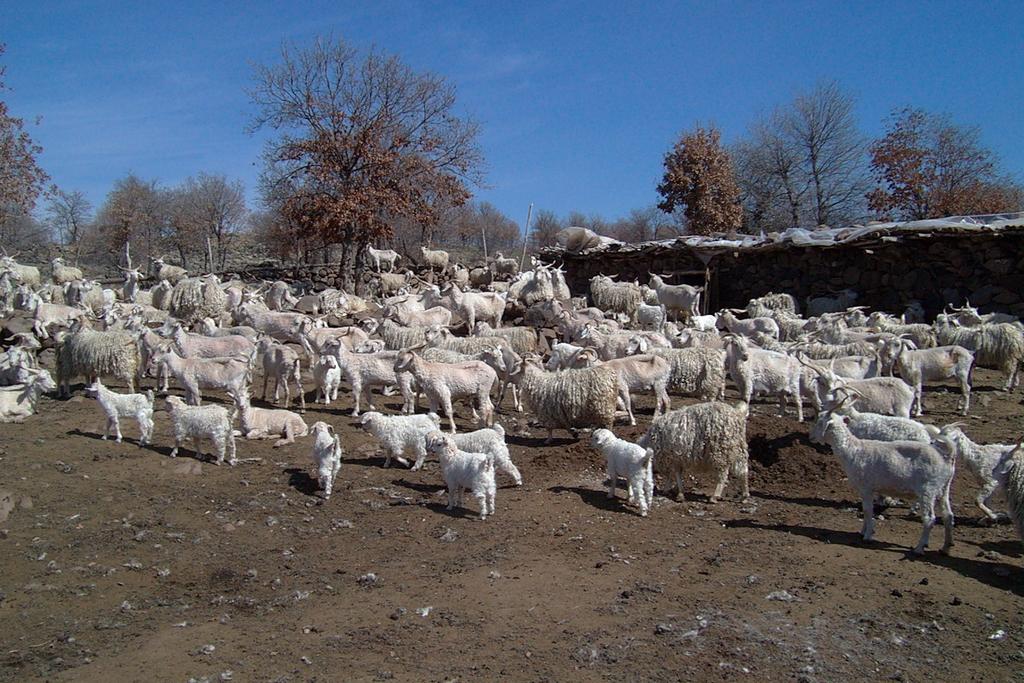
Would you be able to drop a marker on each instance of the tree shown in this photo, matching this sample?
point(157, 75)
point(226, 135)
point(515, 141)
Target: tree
point(699, 180)
point(804, 164)
point(545, 228)
point(469, 225)
point(929, 167)
point(134, 211)
point(641, 225)
point(21, 179)
point(773, 185)
point(362, 142)
point(207, 207)
point(821, 124)
point(70, 217)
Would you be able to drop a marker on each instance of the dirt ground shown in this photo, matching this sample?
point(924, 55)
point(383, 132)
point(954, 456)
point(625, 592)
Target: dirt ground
point(122, 564)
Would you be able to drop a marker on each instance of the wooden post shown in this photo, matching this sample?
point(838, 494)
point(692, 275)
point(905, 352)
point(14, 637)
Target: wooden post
point(526, 236)
point(483, 236)
point(128, 254)
point(209, 255)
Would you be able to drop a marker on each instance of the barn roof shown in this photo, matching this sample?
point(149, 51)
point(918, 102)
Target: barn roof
point(871, 234)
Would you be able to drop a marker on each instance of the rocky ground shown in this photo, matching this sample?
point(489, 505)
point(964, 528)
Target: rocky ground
point(120, 563)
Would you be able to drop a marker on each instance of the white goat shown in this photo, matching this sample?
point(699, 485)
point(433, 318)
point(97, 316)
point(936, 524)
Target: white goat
point(882, 395)
point(636, 373)
point(919, 366)
point(755, 371)
point(379, 257)
point(164, 271)
point(194, 374)
point(115, 406)
point(568, 399)
point(615, 344)
point(563, 356)
point(401, 434)
point(279, 297)
point(283, 365)
point(521, 339)
point(998, 345)
point(872, 425)
point(367, 370)
point(438, 315)
point(982, 461)
point(627, 459)
point(19, 401)
point(697, 372)
point(490, 441)
point(462, 470)
point(840, 302)
point(473, 306)
point(894, 468)
point(678, 299)
point(202, 422)
point(617, 297)
point(265, 423)
point(326, 456)
point(93, 354)
point(651, 318)
point(706, 437)
point(754, 328)
point(200, 346)
point(327, 374)
point(443, 382)
point(435, 259)
point(63, 274)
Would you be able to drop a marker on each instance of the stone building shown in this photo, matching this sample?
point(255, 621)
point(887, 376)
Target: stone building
point(939, 261)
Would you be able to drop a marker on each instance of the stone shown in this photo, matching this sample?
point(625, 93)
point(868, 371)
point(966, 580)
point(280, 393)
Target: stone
point(1006, 297)
point(999, 266)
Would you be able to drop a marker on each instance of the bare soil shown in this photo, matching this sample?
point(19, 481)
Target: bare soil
point(122, 564)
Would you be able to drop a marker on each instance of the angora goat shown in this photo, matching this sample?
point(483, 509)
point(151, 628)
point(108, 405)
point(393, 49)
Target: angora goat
point(706, 437)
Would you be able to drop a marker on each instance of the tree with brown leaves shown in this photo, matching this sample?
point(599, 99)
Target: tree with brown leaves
point(21, 179)
point(928, 167)
point(699, 179)
point(363, 141)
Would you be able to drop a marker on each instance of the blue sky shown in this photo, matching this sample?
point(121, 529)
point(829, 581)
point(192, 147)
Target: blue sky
point(578, 101)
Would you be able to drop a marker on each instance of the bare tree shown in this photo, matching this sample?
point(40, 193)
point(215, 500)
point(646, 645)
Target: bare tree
point(641, 225)
point(70, 217)
point(699, 180)
point(773, 184)
point(362, 141)
point(821, 126)
point(208, 209)
point(546, 226)
point(134, 211)
point(21, 178)
point(804, 164)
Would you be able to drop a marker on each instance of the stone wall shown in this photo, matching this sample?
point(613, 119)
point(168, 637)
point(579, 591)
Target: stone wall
point(986, 268)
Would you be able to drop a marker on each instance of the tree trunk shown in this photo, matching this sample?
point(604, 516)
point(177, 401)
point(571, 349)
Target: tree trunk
point(350, 268)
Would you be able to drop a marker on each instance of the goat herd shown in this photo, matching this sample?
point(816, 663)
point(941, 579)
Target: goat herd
point(864, 375)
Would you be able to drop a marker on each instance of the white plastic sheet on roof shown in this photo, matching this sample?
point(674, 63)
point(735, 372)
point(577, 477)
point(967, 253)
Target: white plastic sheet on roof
point(581, 240)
